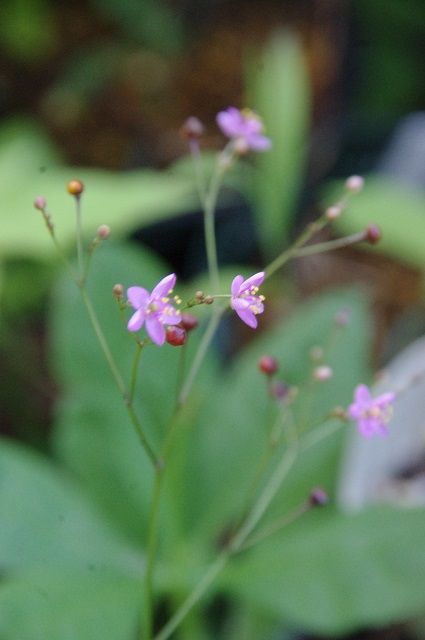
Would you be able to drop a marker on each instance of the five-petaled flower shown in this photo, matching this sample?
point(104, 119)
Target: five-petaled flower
point(153, 309)
point(245, 128)
point(371, 414)
point(244, 299)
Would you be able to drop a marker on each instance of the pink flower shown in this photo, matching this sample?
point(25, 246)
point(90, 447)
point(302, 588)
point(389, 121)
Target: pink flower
point(244, 299)
point(371, 414)
point(153, 309)
point(245, 127)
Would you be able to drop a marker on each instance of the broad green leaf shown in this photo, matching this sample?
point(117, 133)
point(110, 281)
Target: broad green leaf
point(338, 572)
point(278, 88)
point(94, 435)
point(48, 523)
point(236, 420)
point(398, 210)
point(125, 201)
point(68, 605)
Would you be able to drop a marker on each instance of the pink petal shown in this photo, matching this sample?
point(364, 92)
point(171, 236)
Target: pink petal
point(155, 330)
point(138, 297)
point(248, 317)
point(136, 321)
point(254, 281)
point(259, 142)
point(362, 394)
point(229, 122)
point(385, 399)
point(236, 285)
point(164, 286)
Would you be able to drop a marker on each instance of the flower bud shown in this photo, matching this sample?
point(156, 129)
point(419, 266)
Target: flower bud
point(333, 212)
point(373, 234)
point(280, 391)
point(318, 497)
point(75, 187)
point(192, 128)
point(354, 184)
point(208, 299)
point(322, 373)
point(118, 291)
point(199, 295)
point(176, 336)
point(40, 203)
point(268, 365)
point(188, 322)
point(103, 232)
point(342, 317)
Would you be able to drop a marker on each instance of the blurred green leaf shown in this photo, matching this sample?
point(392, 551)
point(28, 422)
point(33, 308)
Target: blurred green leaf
point(338, 572)
point(398, 210)
point(94, 435)
point(47, 523)
point(234, 426)
point(125, 201)
point(26, 29)
point(278, 88)
point(43, 605)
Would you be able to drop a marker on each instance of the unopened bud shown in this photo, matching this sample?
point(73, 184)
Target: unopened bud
point(373, 234)
point(188, 322)
point(339, 412)
point(199, 295)
point(176, 336)
point(103, 232)
point(342, 317)
point(354, 184)
point(118, 291)
point(40, 203)
point(279, 390)
point(318, 497)
point(192, 128)
point(75, 187)
point(268, 365)
point(323, 373)
point(333, 212)
point(208, 299)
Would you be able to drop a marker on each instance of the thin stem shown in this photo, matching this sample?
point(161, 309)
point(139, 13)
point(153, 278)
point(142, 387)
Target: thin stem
point(197, 165)
point(79, 236)
point(134, 370)
point(152, 545)
point(289, 253)
point(276, 526)
point(210, 202)
point(118, 378)
point(234, 545)
point(200, 354)
point(330, 245)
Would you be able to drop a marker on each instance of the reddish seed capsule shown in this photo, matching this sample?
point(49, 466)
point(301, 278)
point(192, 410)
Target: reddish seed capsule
point(268, 365)
point(103, 232)
point(373, 234)
point(318, 497)
point(188, 322)
point(192, 128)
point(75, 187)
point(176, 336)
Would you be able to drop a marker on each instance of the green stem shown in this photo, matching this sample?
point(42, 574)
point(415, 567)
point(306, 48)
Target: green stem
point(79, 236)
point(330, 245)
point(134, 370)
point(210, 202)
point(276, 526)
point(152, 545)
point(292, 251)
point(234, 545)
point(201, 353)
point(118, 378)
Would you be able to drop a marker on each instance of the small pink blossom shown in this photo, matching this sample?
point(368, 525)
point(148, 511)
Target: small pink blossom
point(244, 299)
point(153, 309)
point(245, 128)
point(371, 414)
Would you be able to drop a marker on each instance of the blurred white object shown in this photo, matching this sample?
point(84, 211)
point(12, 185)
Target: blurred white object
point(391, 470)
point(404, 158)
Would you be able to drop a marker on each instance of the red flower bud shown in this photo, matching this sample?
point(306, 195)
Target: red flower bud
point(75, 187)
point(268, 365)
point(176, 336)
point(373, 234)
point(188, 322)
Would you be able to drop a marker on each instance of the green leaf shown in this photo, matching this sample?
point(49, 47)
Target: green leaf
point(236, 420)
point(398, 210)
point(67, 605)
point(46, 521)
point(338, 572)
point(278, 88)
point(125, 201)
point(94, 435)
